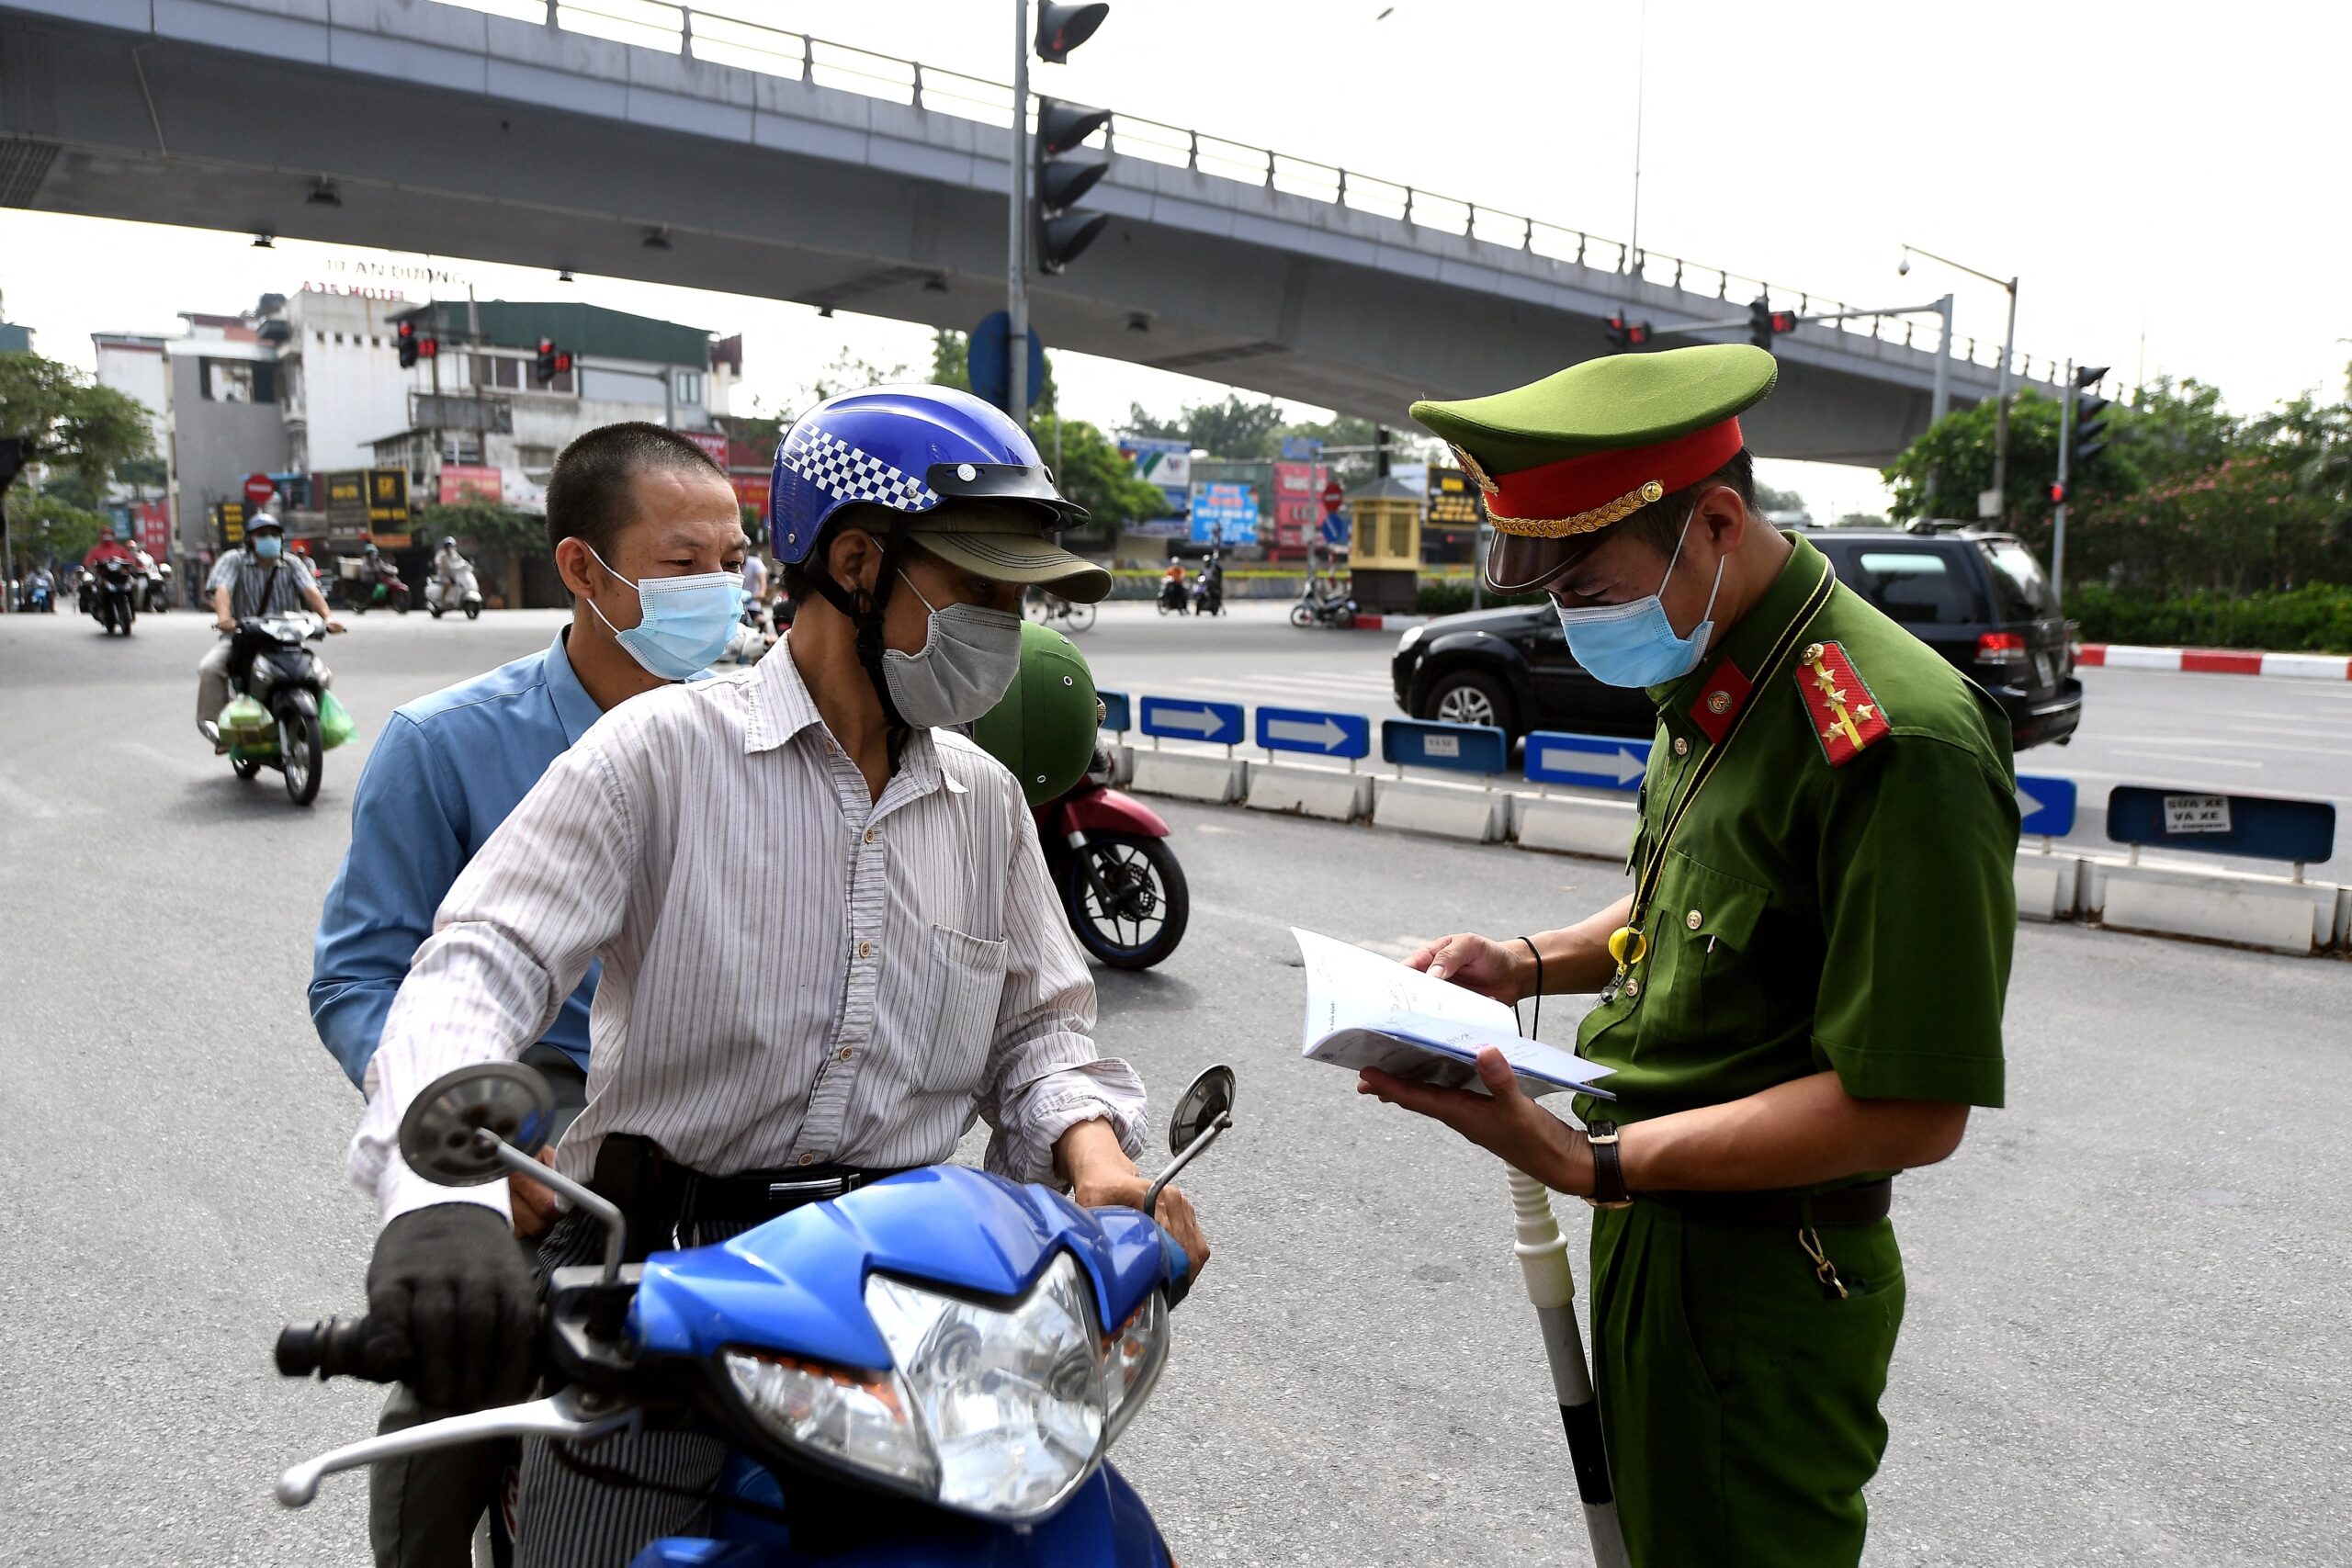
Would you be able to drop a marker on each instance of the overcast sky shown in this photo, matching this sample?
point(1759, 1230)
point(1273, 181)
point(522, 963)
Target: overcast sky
point(2150, 172)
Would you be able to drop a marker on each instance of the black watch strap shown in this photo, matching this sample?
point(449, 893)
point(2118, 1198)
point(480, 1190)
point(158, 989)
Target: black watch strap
point(1608, 1174)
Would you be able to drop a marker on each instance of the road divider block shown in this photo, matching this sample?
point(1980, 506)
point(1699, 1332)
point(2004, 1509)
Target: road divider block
point(1575, 824)
point(2049, 885)
point(1442, 810)
point(2267, 912)
point(1191, 776)
point(1309, 792)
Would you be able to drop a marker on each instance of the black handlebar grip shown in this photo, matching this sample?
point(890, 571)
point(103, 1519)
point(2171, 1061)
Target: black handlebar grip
point(331, 1347)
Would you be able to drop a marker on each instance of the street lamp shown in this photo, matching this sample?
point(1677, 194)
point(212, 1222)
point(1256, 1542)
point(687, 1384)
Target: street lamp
point(2009, 350)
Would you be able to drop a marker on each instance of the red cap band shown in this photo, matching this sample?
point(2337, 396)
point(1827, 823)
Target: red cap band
point(1561, 495)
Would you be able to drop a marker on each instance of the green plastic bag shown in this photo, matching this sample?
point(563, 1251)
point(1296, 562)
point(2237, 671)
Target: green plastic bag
point(335, 726)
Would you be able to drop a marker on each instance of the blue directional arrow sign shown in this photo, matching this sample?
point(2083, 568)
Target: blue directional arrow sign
point(1589, 761)
point(1116, 717)
point(2045, 805)
point(1317, 734)
point(1216, 723)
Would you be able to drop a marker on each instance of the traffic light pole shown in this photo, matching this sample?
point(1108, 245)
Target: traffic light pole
point(2058, 522)
point(1016, 302)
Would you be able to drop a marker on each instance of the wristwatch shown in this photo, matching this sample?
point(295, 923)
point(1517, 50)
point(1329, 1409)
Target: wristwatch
point(1608, 1175)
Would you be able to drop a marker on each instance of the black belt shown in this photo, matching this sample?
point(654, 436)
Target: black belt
point(1860, 1205)
point(665, 1202)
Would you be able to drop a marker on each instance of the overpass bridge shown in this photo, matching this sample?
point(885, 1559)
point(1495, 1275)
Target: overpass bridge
point(687, 143)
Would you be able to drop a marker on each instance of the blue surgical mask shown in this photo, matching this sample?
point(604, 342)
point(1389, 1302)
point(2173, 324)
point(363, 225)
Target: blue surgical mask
point(683, 623)
point(268, 546)
point(1634, 644)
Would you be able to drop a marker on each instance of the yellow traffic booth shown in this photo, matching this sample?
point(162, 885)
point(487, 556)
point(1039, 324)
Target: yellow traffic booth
point(1385, 550)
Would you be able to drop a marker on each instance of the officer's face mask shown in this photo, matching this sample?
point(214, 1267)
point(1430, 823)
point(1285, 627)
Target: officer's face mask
point(1634, 644)
point(969, 655)
point(683, 623)
point(268, 546)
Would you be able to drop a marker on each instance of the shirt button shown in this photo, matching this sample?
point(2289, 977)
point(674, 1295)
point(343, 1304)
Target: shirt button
point(1681, 747)
point(1692, 920)
point(869, 835)
point(809, 1159)
point(1633, 988)
point(866, 950)
point(847, 1052)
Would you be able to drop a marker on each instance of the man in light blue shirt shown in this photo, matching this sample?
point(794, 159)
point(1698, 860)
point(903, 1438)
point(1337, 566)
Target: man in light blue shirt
point(627, 504)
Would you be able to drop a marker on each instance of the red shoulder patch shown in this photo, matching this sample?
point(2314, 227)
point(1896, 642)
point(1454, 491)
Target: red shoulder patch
point(1844, 713)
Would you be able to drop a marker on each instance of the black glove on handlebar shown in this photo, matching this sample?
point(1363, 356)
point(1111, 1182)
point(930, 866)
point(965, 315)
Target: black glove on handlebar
point(451, 1303)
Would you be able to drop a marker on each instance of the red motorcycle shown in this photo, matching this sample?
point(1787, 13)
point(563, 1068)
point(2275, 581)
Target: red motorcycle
point(1120, 883)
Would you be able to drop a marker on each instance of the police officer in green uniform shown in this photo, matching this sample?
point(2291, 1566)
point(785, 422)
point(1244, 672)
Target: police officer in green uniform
point(1801, 995)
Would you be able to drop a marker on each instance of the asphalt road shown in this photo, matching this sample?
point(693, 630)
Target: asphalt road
point(2224, 734)
point(2130, 1332)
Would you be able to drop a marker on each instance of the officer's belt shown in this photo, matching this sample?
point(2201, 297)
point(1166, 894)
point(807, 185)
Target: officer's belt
point(663, 1200)
point(1858, 1205)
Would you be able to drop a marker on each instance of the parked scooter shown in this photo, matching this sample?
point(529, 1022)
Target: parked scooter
point(113, 597)
point(459, 591)
point(959, 1349)
point(282, 716)
point(1121, 885)
point(1324, 603)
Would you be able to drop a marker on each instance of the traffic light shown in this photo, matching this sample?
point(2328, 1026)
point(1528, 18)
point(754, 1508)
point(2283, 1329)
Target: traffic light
point(1061, 28)
point(544, 370)
point(406, 334)
point(2088, 437)
point(1059, 180)
point(2057, 492)
point(1623, 334)
point(428, 348)
point(1765, 324)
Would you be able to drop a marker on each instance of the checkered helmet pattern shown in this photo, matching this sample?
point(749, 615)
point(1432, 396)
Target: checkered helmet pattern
point(874, 448)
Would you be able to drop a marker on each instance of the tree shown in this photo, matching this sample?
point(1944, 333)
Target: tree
point(1235, 428)
point(46, 527)
point(494, 529)
point(1097, 475)
point(80, 434)
point(1860, 519)
point(1770, 500)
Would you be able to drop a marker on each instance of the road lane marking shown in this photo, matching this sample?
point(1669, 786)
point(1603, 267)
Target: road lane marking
point(2191, 762)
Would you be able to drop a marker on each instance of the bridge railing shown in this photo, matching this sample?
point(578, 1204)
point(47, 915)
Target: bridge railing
point(740, 33)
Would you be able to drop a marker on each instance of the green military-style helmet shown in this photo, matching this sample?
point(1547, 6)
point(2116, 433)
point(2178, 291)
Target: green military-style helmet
point(1046, 727)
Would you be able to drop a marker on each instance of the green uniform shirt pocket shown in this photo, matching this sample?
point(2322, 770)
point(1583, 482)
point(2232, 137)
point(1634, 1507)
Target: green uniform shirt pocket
point(1702, 986)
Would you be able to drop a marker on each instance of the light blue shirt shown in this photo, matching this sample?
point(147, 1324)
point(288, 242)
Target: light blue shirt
point(442, 777)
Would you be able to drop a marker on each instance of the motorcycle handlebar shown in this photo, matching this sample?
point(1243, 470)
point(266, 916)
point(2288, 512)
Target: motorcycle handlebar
point(329, 1347)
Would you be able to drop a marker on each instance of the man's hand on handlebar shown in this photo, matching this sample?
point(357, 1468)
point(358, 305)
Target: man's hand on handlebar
point(1108, 1189)
point(451, 1305)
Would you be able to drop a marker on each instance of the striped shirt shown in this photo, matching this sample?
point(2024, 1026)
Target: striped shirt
point(261, 587)
point(792, 975)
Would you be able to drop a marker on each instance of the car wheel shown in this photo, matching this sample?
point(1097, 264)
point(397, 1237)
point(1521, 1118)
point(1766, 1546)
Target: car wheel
point(1469, 696)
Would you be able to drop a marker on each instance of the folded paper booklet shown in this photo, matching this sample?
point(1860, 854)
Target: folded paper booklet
point(1363, 1010)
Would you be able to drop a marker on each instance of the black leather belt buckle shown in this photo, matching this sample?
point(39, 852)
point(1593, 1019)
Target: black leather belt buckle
point(810, 1191)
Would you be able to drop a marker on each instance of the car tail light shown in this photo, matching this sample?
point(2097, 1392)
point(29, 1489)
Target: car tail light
point(2000, 647)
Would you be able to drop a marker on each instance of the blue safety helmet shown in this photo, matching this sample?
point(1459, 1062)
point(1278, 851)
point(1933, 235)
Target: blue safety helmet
point(908, 448)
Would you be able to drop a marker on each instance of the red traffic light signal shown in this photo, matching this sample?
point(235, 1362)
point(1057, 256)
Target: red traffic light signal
point(1061, 28)
point(428, 348)
point(1623, 334)
point(562, 361)
point(405, 335)
point(2057, 493)
point(1784, 322)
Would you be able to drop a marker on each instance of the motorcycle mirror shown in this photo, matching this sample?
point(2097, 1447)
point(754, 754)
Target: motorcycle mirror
point(439, 1136)
point(1210, 1097)
point(1205, 1109)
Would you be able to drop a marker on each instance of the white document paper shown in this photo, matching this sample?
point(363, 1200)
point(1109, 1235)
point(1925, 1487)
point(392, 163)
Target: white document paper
point(1363, 1010)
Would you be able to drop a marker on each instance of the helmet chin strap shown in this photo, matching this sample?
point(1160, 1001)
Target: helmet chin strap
point(864, 607)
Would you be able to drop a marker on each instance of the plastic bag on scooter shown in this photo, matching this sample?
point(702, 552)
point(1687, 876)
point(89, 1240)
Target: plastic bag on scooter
point(335, 725)
point(245, 723)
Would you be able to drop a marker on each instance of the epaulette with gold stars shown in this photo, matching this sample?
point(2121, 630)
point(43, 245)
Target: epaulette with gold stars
point(1845, 716)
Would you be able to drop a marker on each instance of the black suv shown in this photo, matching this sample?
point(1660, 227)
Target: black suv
point(1977, 598)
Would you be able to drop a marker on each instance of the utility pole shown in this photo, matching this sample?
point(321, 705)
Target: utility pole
point(2058, 517)
point(1016, 303)
point(2008, 355)
point(1631, 261)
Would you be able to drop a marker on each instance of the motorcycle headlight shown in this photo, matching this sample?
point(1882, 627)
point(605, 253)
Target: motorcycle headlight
point(995, 1411)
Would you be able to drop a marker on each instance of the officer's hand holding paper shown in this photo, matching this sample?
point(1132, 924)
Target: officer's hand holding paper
point(1363, 1010)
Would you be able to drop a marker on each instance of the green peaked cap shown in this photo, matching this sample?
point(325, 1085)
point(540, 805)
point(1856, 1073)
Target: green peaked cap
point(1604, 405)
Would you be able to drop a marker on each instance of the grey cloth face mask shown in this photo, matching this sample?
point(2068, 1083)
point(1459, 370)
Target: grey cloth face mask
point(967, 664)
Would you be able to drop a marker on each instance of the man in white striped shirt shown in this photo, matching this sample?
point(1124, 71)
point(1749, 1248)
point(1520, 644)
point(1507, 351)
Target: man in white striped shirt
point(829, 939)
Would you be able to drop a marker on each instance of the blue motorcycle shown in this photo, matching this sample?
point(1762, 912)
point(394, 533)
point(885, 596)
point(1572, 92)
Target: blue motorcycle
point(960, 1348)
